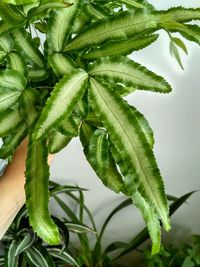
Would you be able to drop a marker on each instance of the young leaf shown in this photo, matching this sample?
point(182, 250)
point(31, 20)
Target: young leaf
point(37, 193)
point(122, 48)
point(10, 120)
point(125, 132)
point(62, 101)
point(180, 43)
point(12, 141)
point(60, 26)
point(174, 52)
point(120, 26)
point(11, 87)
point(129, 73)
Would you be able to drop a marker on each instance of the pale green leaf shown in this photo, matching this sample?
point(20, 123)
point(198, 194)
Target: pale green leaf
point(6, 43)
point(20, 2)
point(37, 74)
point(122, 48)
point(126, 133)
point(16, 62)
point(37, 192)
point(57, 141)
point(129, 73)
point(180, 44)
point(175, 53)
point(62, 101)
point(61, 64)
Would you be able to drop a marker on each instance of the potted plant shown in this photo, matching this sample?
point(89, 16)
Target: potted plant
point(64, 72)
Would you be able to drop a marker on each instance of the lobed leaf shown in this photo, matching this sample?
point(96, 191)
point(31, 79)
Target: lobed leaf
point(62, 101)
point(129, 73)
point(125, 132)
point(37, 193)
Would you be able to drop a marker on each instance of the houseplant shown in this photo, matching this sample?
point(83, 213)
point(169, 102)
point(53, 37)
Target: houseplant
point(23, 248)
point(73, 84)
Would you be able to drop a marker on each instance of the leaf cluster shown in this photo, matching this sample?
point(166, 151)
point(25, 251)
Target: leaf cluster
point(64, 73)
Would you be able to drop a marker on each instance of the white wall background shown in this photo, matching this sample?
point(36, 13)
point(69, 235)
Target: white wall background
point(176, 124)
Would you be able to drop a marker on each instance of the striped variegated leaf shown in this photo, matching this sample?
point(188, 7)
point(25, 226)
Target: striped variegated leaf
point(61, 64)
point(12, 141)
point(35, 257)
point(30, 105)
point(10, 13)
point(151, 220)
point(68, 126)
point(16, 62)
point(179, 14)
point(122, 48)
point(11, 87)
point(20, 2)
point(25, 243)
point(60, 26)
point(10, 120)
point(27, 48)
point(63, 256)
point(10, 259)
point(129, 73)
point(6, 43)
point(57, 141)
point(37, 74)
point(110, 176)
point(126, 133)
point(62, 101)
point(120, 26)
point(6, 28)
point(37, 192)
point(2, 57)
point(96, 11)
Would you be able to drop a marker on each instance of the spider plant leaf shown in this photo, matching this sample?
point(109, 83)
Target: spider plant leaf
point(110, 176)
point(57, 141)
point(16, 62)
point(61, 64)
point(62, 101)
point(122, 48)
point(129, 73)
point(25, 243)
point(10, 259)
point(30, 105)
point(35, 257)
point(10, 120)
point(79, 228)
point(61, 25)
point(11, 14)
point(131, 142)
point(24, 44)
point(65, 188)
point(11, 87)
point(37, 193)
point(64, 256)
point(120, 26)
point(6, 43)
point(12, 141)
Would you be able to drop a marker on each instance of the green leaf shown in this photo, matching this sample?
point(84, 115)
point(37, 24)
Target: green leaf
point(35, 257)
point(16, 62)
point(20, 2)
point(11, 87)
point(125, 132)
point(10, 120)
point(96, 11)
point(60, 26)
point(111, 177)
point(132, 3)
point(37, 74)
point(188, 262)
point(57, 141)
point(11, 259)
point(64, 256)
point(37, 193)
point(180, 14)
point(61, 64)
point(11, 14)
point(68, 126)
point(120, 26)
point(129, 73)
point(25, 243)
point(12, 141)
point(29, 51)
point(30, 105)
point(122, 48)
point(62, 101)
point(180, 43)
point(190, 32)
point(6, 43)
point(175, 53)
point(79, 228)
